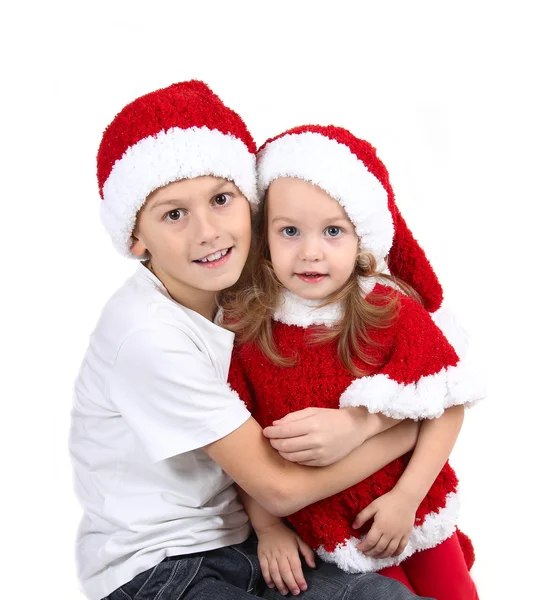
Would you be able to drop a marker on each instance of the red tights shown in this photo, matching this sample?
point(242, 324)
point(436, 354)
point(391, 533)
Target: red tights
point(439, 572)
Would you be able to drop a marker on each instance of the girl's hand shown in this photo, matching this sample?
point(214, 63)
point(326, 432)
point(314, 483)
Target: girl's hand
point(319, 436)
point(393, 517)
point(278, 552)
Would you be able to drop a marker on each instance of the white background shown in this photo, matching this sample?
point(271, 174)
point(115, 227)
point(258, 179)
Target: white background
point(457, 99)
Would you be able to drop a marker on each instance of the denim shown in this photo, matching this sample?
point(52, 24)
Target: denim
point(233, 573)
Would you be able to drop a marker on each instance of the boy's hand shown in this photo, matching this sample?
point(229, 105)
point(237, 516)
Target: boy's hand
point(393, 517)
point(278, 552)
point(318, 437)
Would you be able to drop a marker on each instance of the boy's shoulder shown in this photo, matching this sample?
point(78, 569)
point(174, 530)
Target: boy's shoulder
point(140, 303)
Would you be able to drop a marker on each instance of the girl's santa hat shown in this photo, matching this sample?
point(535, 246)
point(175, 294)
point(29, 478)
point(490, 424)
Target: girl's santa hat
point(349, 170)
point(179, 132)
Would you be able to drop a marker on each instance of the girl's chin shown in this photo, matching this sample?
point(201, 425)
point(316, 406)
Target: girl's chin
point(314, 295)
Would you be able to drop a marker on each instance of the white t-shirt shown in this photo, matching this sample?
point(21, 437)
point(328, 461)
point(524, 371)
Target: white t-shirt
point(151, 392)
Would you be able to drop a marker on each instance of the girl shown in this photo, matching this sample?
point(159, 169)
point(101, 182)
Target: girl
point(322, 324)
point(156, 434)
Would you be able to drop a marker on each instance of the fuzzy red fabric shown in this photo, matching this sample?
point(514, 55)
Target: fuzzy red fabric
point(467, 548)
point(413, 347)
point(408, 262)
point(183, 105)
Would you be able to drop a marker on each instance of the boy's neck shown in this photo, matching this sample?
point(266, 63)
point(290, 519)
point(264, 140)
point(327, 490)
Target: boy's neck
point(200, 301)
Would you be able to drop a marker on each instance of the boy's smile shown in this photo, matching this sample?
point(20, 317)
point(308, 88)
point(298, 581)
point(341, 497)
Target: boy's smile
point(196, 233)
point(215, 259)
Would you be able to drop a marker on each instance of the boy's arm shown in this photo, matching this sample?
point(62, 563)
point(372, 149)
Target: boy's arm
point(321, 436)
point(174, 401)
point(283, 487)
point(279, 548)
point(260, 518)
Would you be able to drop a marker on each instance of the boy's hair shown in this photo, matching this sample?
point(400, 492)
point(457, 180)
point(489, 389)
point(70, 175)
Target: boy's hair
point(249, 306)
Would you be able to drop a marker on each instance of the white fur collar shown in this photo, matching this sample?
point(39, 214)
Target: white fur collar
point(294, 310)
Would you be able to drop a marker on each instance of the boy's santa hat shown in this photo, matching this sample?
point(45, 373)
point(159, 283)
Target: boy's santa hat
point(179, 132)
point(349, 170)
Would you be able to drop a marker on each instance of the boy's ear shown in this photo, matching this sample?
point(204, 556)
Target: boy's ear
point(138, 248)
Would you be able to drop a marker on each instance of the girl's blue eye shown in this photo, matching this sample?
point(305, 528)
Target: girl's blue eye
point(333, 231)
point(290, 231)
point(222, 199)
point(175, 215)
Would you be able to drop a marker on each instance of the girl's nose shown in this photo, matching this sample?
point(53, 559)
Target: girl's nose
point(311, 250)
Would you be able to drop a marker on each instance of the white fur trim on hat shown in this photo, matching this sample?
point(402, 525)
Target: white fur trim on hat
point(427, 398)
point(164, 158)
point(435, 529)
point(335, 169)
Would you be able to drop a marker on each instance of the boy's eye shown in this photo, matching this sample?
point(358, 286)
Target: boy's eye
point(222, 199)
point(175, 215)
point(333, 231)
point(290, 231)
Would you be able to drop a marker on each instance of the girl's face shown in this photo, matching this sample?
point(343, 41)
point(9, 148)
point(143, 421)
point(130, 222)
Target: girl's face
point(197, 232)
point(312, 243)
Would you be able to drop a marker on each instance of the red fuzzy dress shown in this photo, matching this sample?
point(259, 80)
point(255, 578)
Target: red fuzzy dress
point(420, 375)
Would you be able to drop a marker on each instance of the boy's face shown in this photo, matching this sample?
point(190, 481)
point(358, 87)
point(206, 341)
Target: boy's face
point(197, 233)
point(313, 244)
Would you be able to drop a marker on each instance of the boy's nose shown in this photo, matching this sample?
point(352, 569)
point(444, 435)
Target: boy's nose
point(206, 229)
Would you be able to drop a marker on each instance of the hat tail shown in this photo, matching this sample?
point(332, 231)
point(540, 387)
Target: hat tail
point(407, 261)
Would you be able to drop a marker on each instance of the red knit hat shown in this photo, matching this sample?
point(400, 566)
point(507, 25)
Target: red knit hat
point(179, 132)
point(348, 169)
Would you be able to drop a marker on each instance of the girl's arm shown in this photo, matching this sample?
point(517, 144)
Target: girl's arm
point(393, 513)
point(321, 436)
point(283, 487)
point(434, 445)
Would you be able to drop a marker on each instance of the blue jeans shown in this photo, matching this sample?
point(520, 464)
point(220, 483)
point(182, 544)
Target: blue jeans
point(233, 573)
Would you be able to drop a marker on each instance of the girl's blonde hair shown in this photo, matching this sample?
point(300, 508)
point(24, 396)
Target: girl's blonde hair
point(249, 306)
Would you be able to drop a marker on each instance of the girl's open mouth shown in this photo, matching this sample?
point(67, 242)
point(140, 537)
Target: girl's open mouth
point(310, 277)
